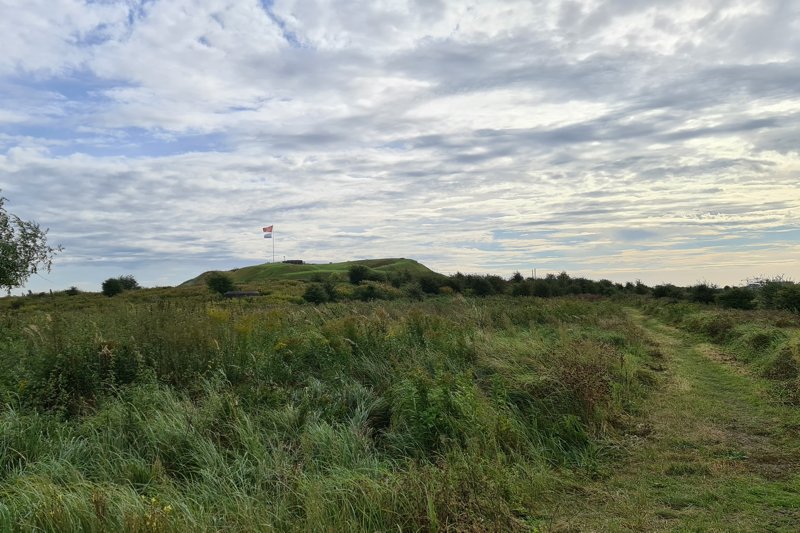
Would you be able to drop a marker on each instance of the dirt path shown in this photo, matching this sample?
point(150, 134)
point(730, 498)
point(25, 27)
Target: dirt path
point(720, 455)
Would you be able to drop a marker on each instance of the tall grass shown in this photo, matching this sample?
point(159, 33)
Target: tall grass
point(443, 414)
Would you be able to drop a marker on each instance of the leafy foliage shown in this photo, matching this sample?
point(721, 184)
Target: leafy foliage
point(788, 297)
point(667, 290)
point(315, 293)
point(357, 273)
point(114, 286)
point(23, 249)
point(129, 283)
point(737, 298)
point(703, 293)
point(220, 283)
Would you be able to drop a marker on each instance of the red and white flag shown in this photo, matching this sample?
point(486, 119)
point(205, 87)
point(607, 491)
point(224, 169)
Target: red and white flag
point(268, 229)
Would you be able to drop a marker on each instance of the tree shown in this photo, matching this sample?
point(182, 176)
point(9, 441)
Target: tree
point(219, 282)
point(129, 283)
point(23, 250)
point(112, 287)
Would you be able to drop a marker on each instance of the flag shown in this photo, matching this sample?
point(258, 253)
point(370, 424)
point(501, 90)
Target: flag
point(267, 229)
point(268, 235)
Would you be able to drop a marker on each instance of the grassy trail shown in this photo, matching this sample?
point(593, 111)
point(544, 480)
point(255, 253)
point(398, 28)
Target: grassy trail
point(714, 453)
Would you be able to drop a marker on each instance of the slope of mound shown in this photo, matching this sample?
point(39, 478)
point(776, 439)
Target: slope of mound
point(285, 271)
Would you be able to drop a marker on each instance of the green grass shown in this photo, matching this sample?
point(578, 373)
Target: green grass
point(256, 274)
point(445, 414)
point(720, 454)
point(173, 409)
point(766, 342)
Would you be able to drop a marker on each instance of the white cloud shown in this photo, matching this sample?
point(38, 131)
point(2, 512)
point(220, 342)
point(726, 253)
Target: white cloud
point(611, 136)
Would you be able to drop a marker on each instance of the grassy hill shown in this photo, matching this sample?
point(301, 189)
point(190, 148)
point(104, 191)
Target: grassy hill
point(284, 271)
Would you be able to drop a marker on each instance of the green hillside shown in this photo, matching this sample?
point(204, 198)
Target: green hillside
point(284, 271)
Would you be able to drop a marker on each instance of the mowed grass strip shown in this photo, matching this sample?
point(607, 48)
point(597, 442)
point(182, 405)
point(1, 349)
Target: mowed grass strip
point(719, 453)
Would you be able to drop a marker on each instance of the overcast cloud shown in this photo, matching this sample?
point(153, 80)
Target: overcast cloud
point(618, 139)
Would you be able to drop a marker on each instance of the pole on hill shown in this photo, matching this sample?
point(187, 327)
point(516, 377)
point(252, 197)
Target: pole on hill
point(270, 234)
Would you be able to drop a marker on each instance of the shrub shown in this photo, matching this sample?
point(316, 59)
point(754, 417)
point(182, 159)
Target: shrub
point(414, 291)
point(542, 289)
point(788, 297)
point(430, 284)
point(522, 289)
point(112, 287)
point(481, 286)
point(702, 293)
point(330, 288)
point(736, 298)
point(667, 290)
point(357, 274)
point(129, 283)
point(315, 294)
point(371, 290)
point(220, 283)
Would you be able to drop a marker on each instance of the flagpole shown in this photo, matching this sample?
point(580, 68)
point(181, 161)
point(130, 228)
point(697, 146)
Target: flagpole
point(273, 246)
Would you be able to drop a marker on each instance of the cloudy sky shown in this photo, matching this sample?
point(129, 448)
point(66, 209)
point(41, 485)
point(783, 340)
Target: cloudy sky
point(619, 139)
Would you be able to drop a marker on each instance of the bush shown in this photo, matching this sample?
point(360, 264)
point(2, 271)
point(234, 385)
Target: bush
point(702, 293)
point(788, 297)
point(129, 283)
point(736, 298)
point(522, 289)
point(315, 294)
point(541, 289)
point(220, 283)
point(357, 274)
point(430, 283)
point(481, 286)
point(112, 287)
point(369, 291)
point(414, 291)
point(667, 291)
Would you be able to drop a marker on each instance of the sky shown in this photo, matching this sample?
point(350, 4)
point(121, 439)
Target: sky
point(613, 139)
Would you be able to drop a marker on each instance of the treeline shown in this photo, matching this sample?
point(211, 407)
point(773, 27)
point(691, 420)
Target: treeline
point(367, 284)
point(760, 293)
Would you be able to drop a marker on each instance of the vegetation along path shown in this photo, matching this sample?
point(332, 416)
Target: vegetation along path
point(715, 452)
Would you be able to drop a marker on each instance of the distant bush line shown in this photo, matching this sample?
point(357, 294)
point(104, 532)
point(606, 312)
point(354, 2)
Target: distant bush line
point(368, 284)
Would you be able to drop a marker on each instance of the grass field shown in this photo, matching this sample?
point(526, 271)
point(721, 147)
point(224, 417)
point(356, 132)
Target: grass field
point(170, 409)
